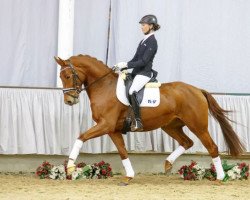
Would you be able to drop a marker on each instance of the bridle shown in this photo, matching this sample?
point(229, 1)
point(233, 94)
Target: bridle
point(78, 88)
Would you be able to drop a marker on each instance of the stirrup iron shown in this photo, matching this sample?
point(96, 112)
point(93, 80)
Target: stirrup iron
point(137, 125)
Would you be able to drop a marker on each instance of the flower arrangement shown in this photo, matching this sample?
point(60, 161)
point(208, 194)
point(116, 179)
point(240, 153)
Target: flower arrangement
point(211, 173)
point(105, 170)
point(232, 171)
point(101, 170)
point(192, 172)
point(43, 171)
point(238, 171)
point(244, 170)
point(58, 172)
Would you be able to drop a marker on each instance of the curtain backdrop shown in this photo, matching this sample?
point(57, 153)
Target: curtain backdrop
point(28, 42)
point(204, 43)
point(91, 28)
point(39, 118)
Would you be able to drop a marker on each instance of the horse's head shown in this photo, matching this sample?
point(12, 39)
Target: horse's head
point(79, 70)
point(72, 80)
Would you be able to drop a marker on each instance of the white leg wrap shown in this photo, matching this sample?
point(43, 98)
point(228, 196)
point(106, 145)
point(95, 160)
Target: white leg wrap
point(128, 168)
point(71, 163)
point(175, 154)
point(76, 149)
point(218, 168)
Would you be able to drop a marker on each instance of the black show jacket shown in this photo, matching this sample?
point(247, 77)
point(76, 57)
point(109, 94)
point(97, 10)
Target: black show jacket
point(142, 61)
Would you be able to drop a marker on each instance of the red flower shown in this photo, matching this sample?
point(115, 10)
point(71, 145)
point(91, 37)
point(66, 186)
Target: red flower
point(242, 165)
point(101, 163)
point(193, 163)
point(213, 168)
point(104, 172)
point(69, 177)
point(109, 168)
point(80, 165)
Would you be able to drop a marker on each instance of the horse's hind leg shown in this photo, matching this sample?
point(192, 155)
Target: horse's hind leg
point(201, 131)
point(212, 148)
point(176, 132)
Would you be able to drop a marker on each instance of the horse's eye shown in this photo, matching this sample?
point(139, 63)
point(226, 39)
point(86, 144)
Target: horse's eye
point(67, 77)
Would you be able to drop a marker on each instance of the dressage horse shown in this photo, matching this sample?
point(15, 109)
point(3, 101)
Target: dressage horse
point(180, 105)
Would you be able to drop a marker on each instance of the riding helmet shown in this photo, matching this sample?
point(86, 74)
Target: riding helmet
point(150, 19)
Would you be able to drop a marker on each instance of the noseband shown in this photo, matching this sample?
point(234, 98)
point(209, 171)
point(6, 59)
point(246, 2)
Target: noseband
point(75, 76)
point(78, 88)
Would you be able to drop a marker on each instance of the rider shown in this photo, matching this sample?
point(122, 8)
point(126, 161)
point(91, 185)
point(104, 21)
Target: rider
point(142, 65)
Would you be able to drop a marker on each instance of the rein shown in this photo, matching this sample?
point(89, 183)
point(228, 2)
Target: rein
point(78, 88)
point(97, 80)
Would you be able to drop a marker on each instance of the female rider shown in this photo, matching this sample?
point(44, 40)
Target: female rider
point(142, 65)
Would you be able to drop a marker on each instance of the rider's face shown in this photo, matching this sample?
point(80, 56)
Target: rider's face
point(146, 27)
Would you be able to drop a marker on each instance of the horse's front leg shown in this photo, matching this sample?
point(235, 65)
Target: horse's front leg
point(120, 145)
point(99, 129)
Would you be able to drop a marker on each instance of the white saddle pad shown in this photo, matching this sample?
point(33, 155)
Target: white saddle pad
point(151, 96)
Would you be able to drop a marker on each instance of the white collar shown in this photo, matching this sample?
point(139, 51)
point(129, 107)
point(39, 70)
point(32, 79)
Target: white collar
point(147, 36)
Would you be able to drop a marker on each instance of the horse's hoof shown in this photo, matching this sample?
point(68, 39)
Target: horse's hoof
point(71, 169)
point(125, 181)
point(218, 182)
point(168, 166)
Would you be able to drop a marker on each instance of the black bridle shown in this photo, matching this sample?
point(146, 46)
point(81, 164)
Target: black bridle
point(78, 88)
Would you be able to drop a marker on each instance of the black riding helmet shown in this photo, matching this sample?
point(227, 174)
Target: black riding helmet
point(150, 19)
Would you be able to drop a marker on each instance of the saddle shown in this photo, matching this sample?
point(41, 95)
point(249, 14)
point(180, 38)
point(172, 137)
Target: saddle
point(128, 80)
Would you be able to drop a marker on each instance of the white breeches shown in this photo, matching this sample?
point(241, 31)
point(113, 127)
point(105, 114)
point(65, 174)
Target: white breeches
point(138, 83)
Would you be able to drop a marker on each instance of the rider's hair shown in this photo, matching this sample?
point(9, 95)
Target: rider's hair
point(156, 27)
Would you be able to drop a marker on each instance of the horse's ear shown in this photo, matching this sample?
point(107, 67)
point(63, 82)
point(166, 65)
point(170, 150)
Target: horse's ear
point(60, 61)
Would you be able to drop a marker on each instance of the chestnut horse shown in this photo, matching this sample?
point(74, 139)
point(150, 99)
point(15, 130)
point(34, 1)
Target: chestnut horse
point(180, 105)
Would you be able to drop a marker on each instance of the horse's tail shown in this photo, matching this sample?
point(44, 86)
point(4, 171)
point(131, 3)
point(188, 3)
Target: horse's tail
point(234, 144)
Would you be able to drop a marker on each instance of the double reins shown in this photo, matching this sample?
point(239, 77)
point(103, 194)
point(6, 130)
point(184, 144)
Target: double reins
point(76, 87)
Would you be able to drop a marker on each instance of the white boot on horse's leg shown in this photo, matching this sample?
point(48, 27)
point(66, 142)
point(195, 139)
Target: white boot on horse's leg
point(128, 168)
point(172, 157)
point(218, 168)
point(73, 156)
point(129, 172)
point(71, 167)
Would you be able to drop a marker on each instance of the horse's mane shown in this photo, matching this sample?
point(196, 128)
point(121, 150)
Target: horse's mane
point(92, 59)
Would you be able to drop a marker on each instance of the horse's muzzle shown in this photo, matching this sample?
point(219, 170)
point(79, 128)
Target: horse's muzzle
point(71, 101)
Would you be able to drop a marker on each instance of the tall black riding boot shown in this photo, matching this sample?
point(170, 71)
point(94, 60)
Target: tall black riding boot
point(137, 124)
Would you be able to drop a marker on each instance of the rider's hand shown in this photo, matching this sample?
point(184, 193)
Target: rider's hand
point(121, 65)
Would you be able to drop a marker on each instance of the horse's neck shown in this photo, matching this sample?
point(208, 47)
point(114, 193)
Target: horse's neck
point(98, 83)
point(98, 90)
point(95, 74)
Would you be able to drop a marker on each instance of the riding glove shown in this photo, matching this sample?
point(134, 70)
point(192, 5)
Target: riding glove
point(121, 65)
